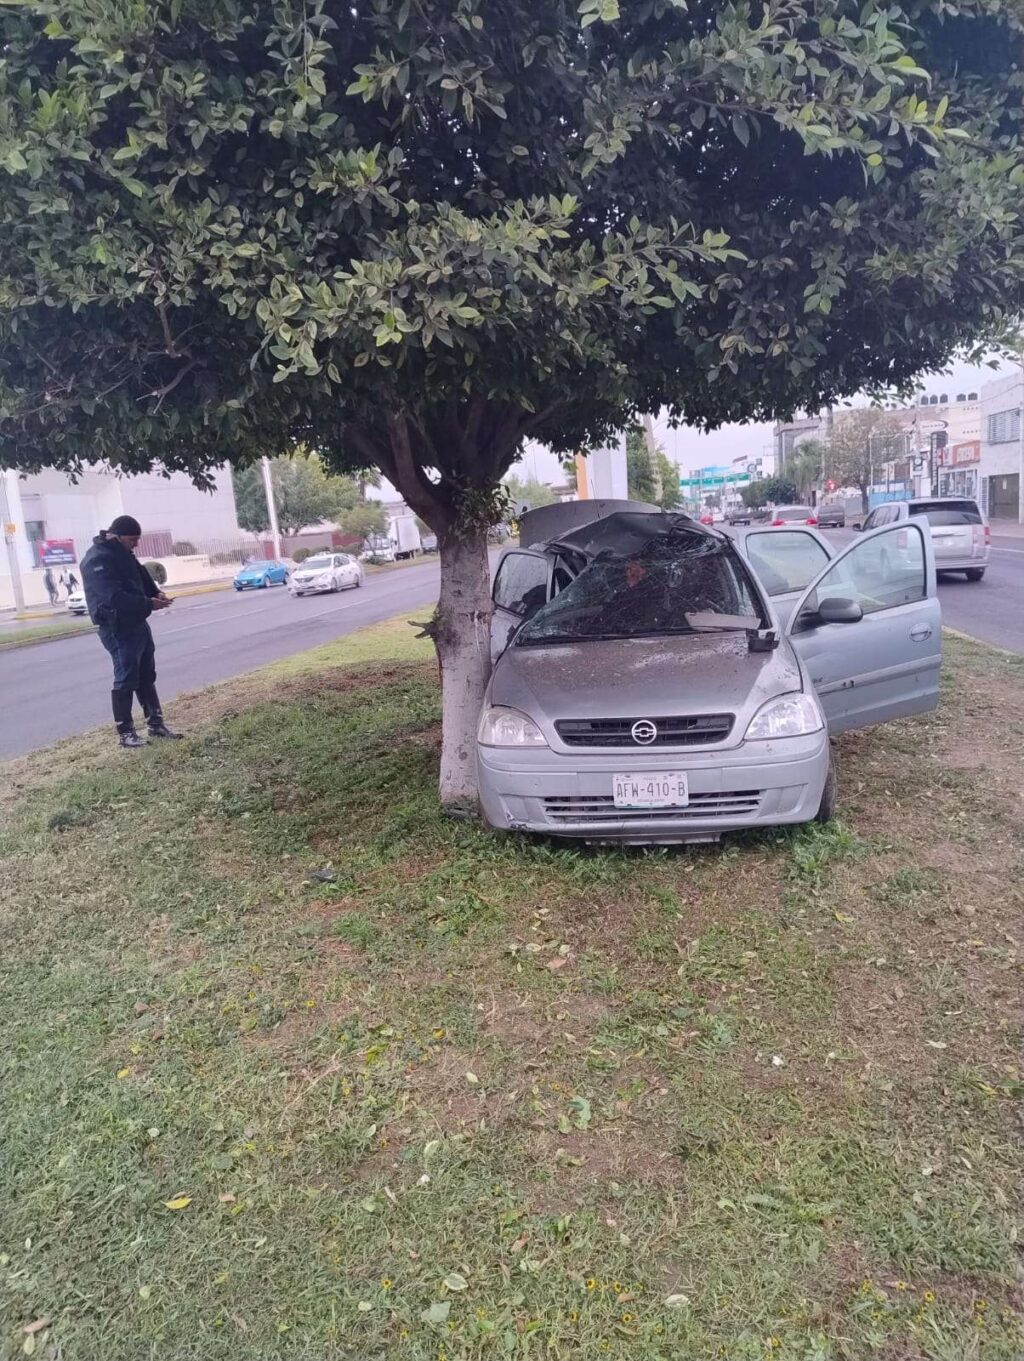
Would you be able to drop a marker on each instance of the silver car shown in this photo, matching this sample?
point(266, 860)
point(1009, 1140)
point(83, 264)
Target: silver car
point(961, 536)
point(657, 690)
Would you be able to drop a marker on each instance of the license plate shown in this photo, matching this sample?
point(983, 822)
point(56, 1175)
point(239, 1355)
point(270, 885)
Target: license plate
point(668, 790)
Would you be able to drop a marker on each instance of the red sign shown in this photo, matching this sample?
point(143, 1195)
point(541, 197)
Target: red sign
point(55, 552)
point(959, 454)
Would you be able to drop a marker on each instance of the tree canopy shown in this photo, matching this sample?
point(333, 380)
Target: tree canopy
point(413, 233)
point(529, 491)
point(859, 445)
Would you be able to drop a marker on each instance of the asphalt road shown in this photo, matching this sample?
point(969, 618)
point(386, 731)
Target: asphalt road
point(54, 690)
point(991, 610)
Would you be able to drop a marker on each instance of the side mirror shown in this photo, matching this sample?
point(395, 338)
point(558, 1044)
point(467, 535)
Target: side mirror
point(836, 610)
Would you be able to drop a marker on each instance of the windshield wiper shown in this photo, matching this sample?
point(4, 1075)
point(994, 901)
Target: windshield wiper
point(707, 621)
point(573, 638)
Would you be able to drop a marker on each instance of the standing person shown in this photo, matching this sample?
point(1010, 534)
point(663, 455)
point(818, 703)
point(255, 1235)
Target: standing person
point(51, 586)
point(69, 581)
point(121, 595)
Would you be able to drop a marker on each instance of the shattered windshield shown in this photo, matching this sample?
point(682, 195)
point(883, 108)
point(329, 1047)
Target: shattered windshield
point(679, 583)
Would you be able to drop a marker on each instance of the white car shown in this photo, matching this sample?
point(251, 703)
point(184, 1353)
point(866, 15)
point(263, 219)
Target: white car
point(961, 536)
point(76, 602)
point(325, 572)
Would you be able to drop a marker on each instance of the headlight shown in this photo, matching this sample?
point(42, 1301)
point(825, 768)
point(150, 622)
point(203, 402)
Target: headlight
point(508, 728)
point(788, 716)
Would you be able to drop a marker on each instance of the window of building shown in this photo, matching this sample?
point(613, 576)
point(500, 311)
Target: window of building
point(972, 396)
point(1004, 426)
point(35, 530)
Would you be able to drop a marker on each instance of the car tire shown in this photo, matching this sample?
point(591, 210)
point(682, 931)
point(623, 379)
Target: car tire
point(238, 588)
point(974, 573)
point(829, 795)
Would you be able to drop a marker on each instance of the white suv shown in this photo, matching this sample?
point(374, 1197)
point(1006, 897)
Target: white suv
point(960, 533)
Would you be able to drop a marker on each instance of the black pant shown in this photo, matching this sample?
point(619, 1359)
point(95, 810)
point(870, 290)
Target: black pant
point(134, 658)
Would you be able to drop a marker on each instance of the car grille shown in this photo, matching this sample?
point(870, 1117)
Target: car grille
point(601, 808)
point(696, 731)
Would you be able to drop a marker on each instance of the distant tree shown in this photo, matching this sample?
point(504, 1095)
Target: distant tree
point(364, 519)
point(304, 494)
point(860, 443)
point(805, 468)
point(671, 495)
point(774, 491)
point(529, 490)
point(641, 478)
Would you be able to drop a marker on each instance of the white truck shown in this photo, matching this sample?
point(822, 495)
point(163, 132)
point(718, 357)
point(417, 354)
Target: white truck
point(405, 535)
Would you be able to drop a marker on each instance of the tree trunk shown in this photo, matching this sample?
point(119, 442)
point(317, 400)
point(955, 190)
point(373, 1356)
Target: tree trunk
point(463, 641)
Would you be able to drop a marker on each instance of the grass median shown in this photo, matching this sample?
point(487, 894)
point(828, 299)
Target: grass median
point(14, 636)
point(293, 1067)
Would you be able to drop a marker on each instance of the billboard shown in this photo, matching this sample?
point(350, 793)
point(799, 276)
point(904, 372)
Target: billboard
point(55, 552)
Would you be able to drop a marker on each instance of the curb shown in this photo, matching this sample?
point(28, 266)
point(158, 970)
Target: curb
point(203, 588)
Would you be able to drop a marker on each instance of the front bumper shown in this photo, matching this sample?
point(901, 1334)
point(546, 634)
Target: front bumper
point(311, 587)
point(757, 784)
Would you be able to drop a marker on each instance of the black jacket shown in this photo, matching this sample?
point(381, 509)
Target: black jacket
point(118, 590)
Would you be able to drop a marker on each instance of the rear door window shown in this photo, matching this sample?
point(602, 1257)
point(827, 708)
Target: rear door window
point(948, 512)
point(785, 559)
point(521, 585)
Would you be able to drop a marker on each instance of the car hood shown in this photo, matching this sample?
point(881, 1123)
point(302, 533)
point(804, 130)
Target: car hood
point(703, 673)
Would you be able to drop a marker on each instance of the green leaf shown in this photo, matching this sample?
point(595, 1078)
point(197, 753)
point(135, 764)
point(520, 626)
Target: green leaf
point(135, 187)
point(740, 129)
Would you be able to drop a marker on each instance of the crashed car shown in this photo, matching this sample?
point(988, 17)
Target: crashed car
point(647, 690)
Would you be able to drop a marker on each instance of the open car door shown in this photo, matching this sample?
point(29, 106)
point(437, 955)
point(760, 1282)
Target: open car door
point(869, 628)
point(521, 587)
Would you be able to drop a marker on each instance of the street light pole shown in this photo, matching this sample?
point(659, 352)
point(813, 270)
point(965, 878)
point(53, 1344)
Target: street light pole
point(268, 487)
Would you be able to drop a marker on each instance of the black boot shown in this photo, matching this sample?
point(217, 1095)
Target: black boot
point(150, 702)
point(121, 703)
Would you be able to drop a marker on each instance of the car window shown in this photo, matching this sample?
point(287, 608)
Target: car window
point(561, 577)
point(948, 512)
point(793, 512)
point(521, 585)
point(318, 564)
point(878, 573)
point(674, 585)
point(785, 560)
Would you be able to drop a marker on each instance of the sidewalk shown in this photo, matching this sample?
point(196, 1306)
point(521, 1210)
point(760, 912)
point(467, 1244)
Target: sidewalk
point(1007, 529)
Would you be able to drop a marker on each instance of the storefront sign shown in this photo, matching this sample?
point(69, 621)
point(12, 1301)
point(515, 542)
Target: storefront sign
point(55, 552)
point(960, 454)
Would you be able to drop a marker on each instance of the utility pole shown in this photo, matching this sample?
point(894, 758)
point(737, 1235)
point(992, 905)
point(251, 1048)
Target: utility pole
point(268, 487)
point(10, 530)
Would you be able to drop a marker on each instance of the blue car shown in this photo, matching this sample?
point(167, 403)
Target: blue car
point(261, 574)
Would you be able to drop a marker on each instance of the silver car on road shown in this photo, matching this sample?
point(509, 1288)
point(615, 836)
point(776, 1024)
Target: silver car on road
point(649, 689)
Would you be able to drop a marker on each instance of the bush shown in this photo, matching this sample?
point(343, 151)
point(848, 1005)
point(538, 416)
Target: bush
point(301, 554)
point(158, 572)
point(184, 549)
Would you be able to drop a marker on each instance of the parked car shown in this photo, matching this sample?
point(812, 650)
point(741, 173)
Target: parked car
point(832, 514)
point(707, 517)
point(788, 515)
point(652, 689)
point(326, 572)
point(76, 602)
point(743, 515)
point(961, 535)
point(261, 573)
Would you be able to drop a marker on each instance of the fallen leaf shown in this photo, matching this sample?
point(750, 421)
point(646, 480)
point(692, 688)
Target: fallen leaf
point(844, 917)
point(364, 1306)
point(625, 1298)
point(580, 1107)
point(123, 1072)
point(141, 1008)
point(559, 962)
point(178, 1203)
point(36, 1326)
point(472, 1079)
point(936, 1044)
point(520, 1243)
point(436, 1313)
point(227, 1198)
point(145, 1291)
point(431, 1147)
point(453, 1281)
point(676, 1301)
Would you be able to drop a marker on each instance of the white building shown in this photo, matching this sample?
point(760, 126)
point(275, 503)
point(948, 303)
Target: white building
point(1000, 451)
point(56, 519)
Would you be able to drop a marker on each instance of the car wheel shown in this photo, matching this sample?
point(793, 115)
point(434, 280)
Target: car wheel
point(238, 588)
point(829, 795)
point(975, 573)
